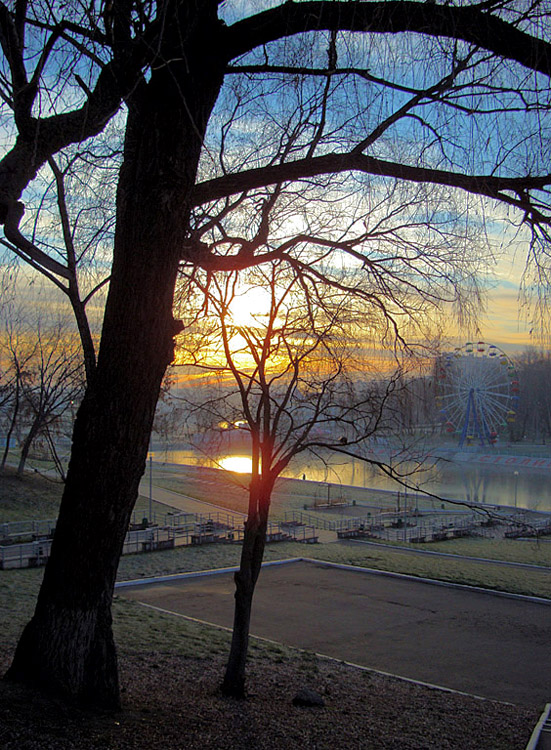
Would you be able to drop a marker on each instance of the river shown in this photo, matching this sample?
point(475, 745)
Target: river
point(513, 480)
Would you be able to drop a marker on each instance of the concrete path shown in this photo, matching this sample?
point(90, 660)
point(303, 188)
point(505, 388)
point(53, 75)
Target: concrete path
point(466, 640)
point(179, 501)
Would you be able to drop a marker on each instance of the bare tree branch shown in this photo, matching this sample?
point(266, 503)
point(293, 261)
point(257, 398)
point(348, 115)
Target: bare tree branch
point(471, 24)
point(498, 188)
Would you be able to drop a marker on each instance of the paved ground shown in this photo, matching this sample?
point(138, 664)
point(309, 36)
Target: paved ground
point(181, 502)
point(483, 644)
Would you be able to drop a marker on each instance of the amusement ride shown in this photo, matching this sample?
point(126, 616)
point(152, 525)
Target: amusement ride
point(478, 392)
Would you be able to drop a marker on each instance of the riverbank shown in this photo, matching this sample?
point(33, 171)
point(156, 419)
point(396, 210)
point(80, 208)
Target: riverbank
point(491, 477)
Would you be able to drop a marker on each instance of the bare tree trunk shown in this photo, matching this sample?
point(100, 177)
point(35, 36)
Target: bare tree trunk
point(83, 326)
point(252, 554)
point(245, 578)
point(12, 426)
point(68, 645)
point(25, 448)
point(55, 455)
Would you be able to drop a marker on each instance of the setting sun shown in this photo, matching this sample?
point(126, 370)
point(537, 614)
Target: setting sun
point(249, 306)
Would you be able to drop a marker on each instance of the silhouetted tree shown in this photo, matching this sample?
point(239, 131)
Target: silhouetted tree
point(454, 96)
point(297, 354)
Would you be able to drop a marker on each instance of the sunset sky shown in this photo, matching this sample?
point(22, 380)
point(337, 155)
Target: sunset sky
point(505, 321)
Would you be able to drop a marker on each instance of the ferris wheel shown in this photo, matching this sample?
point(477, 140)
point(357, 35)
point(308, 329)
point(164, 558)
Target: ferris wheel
point(477, 392)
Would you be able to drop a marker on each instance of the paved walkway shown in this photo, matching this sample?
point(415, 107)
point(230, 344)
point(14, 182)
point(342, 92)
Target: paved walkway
point(466, 640)
point(179, 501)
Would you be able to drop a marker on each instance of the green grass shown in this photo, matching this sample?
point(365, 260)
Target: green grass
point(32, 497)
point(18, 591)
point(138, 628)
point(206, 557)
point(35, 497)
point(533, 552)
point(486, 575)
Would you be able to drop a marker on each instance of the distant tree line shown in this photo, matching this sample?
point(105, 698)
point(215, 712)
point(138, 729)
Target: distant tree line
point(533, 420)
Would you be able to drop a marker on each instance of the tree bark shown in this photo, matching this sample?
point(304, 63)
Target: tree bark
point(252, 554)
point(25, 448)
point(68, 645)
point(11, 428)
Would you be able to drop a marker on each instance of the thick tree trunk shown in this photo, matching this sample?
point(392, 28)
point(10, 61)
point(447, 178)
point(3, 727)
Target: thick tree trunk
point(252, 554)
point(68, 645)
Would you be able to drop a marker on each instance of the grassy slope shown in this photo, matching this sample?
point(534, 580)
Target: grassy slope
point(533, 552)
point(38, 497)
point(137, 628)
point(32, 497)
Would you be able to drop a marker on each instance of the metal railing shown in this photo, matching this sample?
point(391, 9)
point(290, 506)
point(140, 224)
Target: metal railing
point(32, 528)
point(306, 534)
point(297, 517)
point(27, 555)
point(398, 528)
point(181, 529)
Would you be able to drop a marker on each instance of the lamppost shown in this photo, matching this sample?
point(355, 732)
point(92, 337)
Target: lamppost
point(405, 514)
point(150, 482)
point(515, 474)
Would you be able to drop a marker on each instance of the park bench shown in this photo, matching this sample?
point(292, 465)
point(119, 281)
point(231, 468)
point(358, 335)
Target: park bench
point(207, 538)
point(348, 533)
point(150, 546)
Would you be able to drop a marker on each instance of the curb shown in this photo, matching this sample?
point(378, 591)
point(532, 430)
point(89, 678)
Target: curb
point(340, 566)
point(198, 574)
point(540, 738)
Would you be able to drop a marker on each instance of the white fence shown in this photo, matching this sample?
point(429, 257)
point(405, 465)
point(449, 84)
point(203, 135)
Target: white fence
point(179, 529)
point(397, 527)
point(27, 555)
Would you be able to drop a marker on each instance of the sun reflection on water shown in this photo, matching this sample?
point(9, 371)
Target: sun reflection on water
point(239, 464)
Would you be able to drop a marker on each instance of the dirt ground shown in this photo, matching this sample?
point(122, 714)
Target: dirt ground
point(471, 641)
point(174, 702)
